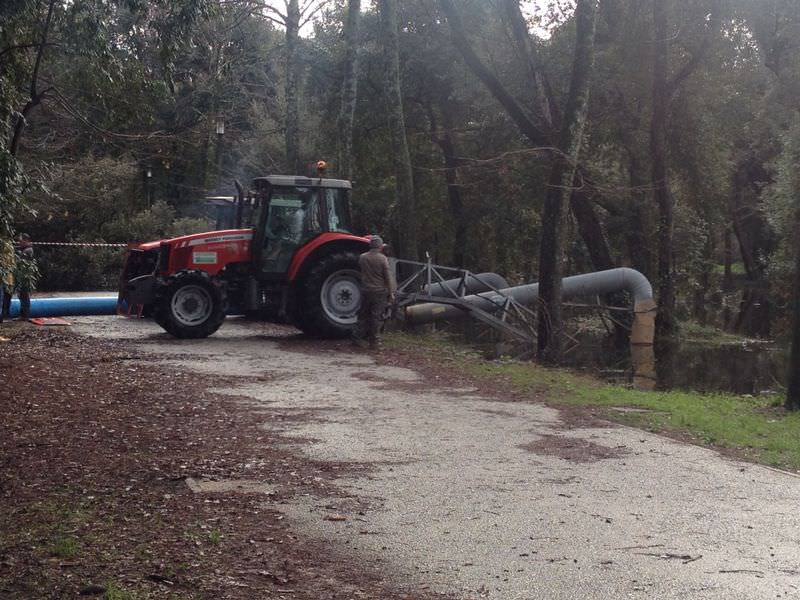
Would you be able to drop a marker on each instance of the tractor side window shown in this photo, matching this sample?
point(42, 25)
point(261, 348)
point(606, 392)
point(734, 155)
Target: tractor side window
point(312, 219)
point(338, 210)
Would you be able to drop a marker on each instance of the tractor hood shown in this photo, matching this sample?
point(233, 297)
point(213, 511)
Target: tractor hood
point(197, 239)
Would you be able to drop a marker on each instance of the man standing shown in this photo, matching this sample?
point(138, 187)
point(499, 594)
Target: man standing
point(7, 261)
point(377, 288)
point(26, 274)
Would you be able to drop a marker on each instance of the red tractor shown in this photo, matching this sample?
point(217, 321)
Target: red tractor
point(297, 263)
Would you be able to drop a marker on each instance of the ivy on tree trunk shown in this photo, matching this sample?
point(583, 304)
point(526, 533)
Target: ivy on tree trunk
point(793, 389)
point(665, 320)
point(292, 82)
point(349, 90)
point(551, 255)
point(405, 207)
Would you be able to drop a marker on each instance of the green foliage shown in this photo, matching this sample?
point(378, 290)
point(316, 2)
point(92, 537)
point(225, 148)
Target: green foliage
point(115, 591)
point(96, 200)
point(7, 263)
point(13, 183)
point(214, 537)
point(26, 272)
point(65, 547)
point(141, 83)
point(692, 331)
point(781, 202)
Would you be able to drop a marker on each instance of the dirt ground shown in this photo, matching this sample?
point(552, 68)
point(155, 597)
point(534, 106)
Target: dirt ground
point(96, 452)
point(97, 458)
point(103, 451)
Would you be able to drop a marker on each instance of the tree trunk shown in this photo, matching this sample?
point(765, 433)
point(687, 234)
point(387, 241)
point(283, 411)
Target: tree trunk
point(537, 135)
point(534, 133)
point(35, 96)
point(665, 319)
point(455, 200)
point(755, 240)
point(349, 90)
point(727, 279)
point(793, 389)
point(542, 94)
point(636, 238)
point(405, 225)
point(561, 178)
point(701, 296)
point(292, 82)
point(589, 226)
point(443, 138)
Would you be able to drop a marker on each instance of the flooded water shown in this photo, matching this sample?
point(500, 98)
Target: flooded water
point(744, 368)
point(739, 368)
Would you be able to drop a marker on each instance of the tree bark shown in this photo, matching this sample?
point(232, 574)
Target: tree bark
point(292, 81)
point(542, 92)
point(349, 89)
point(405, 225)
point(534, 133)
point(561, 177)
point(639, 250)
point(589, 225)
point(444, 139)
point(793, 389)
point(664, 87)
point(727, 278)
point(665, 318)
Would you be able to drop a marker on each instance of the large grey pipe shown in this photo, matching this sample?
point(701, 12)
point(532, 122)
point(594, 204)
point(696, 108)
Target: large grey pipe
point(473, 284)
point(589, 284)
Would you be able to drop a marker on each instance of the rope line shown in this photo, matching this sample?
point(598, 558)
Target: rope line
point(84, 244)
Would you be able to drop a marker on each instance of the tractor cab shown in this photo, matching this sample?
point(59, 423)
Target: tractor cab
point(290, 212)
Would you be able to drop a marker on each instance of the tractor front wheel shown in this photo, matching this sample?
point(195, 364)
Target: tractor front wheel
point(330, 297)
point(190, 304)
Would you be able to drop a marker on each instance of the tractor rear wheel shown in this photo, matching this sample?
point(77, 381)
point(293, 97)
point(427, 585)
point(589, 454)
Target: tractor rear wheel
point(190, 304)
point(330, 296)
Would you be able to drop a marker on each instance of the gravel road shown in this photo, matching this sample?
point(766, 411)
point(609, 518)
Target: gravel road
point(468, 496)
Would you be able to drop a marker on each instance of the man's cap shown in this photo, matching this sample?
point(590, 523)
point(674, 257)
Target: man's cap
point(376, 242)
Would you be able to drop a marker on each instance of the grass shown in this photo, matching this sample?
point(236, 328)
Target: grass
point(114, 591)
point(214, 537)
point(65, 547)
point(691, 331)
point(737, 268)
point(754, 428)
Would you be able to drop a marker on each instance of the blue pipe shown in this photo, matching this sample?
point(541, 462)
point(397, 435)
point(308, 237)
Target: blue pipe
point(69, 307)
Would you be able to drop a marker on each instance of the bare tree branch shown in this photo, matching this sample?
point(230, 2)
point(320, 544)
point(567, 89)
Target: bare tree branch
point(532, 131)
point(35, 97)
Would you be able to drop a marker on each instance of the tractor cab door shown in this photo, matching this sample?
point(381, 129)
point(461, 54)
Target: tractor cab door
point(288, 219)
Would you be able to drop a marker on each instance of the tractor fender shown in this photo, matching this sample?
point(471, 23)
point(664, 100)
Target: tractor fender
point(320, 247)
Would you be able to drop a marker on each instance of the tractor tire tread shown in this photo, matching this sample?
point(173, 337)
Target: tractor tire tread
point(162, 314)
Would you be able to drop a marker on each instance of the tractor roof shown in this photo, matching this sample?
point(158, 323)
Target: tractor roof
point(302, 181)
